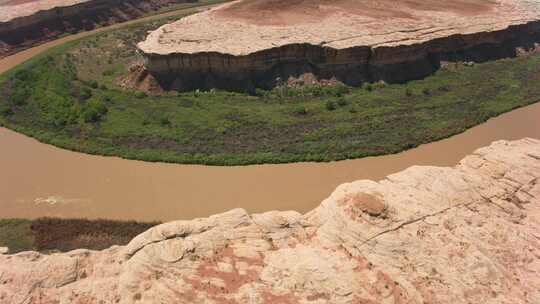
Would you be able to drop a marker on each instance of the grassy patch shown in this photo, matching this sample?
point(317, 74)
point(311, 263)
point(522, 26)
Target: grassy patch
point(54, 234)
point(70, 97)
point(69, 234)
point(16, 235)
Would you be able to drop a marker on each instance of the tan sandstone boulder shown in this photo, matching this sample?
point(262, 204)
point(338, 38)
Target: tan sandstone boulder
point(467, 234)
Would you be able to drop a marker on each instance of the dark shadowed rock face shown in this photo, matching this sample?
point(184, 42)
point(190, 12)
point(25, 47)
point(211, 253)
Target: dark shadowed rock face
point(353, 66)
point(352, 41)
point(24, 24)
point(467, 234)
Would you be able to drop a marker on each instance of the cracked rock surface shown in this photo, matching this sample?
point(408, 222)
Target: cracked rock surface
point(248, 26)
point(249, 44)
point(467, 234)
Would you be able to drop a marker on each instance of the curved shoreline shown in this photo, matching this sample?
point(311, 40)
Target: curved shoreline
point(476, 222)
point(37, 25)
point(9, 62)
point(47, 181)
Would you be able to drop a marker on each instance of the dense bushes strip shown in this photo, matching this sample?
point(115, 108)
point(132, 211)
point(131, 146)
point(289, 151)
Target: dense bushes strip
point(55, 234)
point(70, 97)
point(69, 234)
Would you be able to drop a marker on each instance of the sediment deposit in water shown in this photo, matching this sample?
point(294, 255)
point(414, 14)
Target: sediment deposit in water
point(467, 234)
point(25, 23)
point(260, 43)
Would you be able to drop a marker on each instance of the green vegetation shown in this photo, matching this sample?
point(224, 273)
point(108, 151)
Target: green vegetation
point(73, 97)
point(183, 6)
point(54, 234)
point(16, 235)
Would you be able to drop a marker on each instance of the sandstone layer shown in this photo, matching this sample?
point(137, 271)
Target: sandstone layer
point(467, 234)
point(25, 23)
point(251, 43)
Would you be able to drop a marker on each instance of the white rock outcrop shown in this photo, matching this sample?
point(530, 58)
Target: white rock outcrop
point(467, 234)
point(248, 44)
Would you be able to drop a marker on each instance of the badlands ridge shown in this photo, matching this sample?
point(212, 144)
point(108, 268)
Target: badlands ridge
point(258, 43)
point(467, 234)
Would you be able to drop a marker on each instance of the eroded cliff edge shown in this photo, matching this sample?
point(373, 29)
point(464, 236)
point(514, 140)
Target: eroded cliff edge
point(467, 234)
point(24, 24)
point(249, 44)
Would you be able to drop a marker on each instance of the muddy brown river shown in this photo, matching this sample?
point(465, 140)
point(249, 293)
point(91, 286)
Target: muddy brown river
point(37, 179)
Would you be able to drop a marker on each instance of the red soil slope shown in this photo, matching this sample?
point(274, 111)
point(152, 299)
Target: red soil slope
point(290, 12)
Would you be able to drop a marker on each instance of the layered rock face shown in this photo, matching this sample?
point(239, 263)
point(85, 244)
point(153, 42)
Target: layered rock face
point(258, 43)
point(468, 234)
point(26, 23)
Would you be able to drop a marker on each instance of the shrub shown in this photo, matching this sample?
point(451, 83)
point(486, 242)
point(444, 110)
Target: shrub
point(368, 86)
point(314, 90)
point(409, 92)
point(85, 93)
point(426, 92)
point(301, 110)
point(109, 72)
point(342, 102)
point(140, 94)
point(336, 90)
point(19, 95)
point(23, 75)
point(379, 85)
point(164, 121)
point(261, 92)
point(63, 115)
point(445, 88)
point(93, 84)
point(187, 103)
point(330, 105)
point(221, 130)
point(5, 110)
point(353, 110)
point(94, 111)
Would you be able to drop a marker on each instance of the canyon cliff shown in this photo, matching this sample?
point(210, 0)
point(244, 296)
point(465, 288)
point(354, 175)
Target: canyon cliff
point(467, 234)
point(249, 44)
point(24, 24)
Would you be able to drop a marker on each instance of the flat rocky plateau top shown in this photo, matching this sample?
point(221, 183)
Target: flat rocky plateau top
point(11, 9)
point(468, 234)
point(247, 26)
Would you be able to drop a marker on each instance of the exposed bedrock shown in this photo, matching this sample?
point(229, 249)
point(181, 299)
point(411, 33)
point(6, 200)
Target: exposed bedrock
point(352, 65)
point(257, 43)
point(467, 234)
point(34, 25)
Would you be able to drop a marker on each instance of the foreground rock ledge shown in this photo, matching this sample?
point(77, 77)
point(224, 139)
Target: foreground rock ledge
point(468, 234)
point(251, 43)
